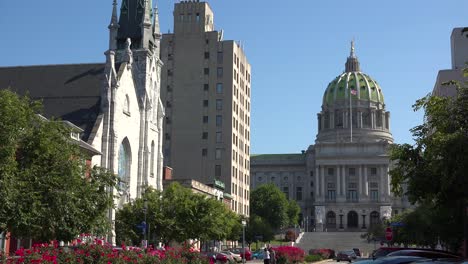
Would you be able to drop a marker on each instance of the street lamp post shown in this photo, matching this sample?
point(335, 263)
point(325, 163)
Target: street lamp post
point(243, 240)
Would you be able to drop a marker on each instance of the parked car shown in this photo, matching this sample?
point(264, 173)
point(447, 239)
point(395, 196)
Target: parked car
point(236, 257)
point(347, 255)
point(398, 260)
point(258, 254)
point(357, 251)
point(384, 251)
point(240, 251)
point(224, 258)
point(430, 254)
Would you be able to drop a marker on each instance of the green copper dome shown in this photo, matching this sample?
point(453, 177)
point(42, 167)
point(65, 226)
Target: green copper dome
point(357, 84)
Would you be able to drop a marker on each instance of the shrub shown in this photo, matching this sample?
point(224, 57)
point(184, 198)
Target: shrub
point(290, 236)
point(288, 255)
point(325, 253)
point(312, 258)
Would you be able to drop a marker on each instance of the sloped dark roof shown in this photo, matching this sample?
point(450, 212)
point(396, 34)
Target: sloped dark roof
point(69, 92)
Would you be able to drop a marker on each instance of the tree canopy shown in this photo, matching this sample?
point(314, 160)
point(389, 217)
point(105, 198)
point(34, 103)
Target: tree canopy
point(44, 194)
point(432, 172)
point(269, 203)
point(177, 214)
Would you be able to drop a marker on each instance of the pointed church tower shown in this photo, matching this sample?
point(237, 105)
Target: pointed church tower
point(135, 23)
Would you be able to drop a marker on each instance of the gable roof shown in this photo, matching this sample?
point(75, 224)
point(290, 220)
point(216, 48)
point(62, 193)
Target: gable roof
point(70, 92)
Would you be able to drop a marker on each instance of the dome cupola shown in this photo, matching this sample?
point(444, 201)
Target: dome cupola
point(353, 106)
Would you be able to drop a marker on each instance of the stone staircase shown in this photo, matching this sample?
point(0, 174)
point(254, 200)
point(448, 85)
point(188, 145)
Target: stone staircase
point(336, 241)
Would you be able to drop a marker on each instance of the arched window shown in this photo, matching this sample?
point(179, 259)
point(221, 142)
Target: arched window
point(124, 165)
point(338, 119)
point(374, 218)
point(127, 105)
point(331, 219)
point(352, 219)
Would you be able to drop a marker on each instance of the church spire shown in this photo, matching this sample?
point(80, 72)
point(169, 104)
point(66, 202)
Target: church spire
point(156, 28)
point(113, 27)
point(135, 23)
point(352, 63)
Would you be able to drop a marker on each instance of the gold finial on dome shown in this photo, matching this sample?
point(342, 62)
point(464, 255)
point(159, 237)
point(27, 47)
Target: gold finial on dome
point(352, 48)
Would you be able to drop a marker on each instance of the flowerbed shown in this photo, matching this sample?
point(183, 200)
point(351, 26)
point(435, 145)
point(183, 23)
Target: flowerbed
point(289, 254)
point(98, 252)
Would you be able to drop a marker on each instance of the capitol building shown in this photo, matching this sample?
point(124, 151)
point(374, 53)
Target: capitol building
point(341, 182)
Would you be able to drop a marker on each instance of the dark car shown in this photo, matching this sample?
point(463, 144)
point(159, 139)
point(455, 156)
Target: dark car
point(347, 255)
point(398, 260)
point(430, 254)
point(384, 251)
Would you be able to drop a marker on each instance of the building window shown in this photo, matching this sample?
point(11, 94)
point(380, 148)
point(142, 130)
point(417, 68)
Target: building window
point(205, 135)
point(331, 185)
point(352, 185)
point(298, 193)
point(219, 72)
point(219, 120)
point(352, 196)
point(204, 152)
point(331, 171)
point(198, 17)
point(220, 57)
point(218, 154)
point(219, 88)
point(167, 136)
point(219, 136)
point(205, 103)
point(374, 185)
point(207, 55)
point(168, 120)
point(217, 170)
point(311, 173)
point(206, 71)
point(331, 195)
point(374, 195)
point(205, 119)
point(352, 171)
point(219, 104)
point(206, 87)
point(373, 171)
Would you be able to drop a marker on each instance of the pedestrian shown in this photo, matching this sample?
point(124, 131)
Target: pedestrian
point(266, 256)
point(272, 255)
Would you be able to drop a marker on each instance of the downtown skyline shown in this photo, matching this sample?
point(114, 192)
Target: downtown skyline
point(295, 51)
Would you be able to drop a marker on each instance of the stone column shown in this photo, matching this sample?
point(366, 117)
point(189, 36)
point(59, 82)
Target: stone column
point(338, 185)
point(317, 174)
point(381, 183)
point(387, 177)
point(373, 119)
point(322, 182)
point(360, 182)
point(366, 182)
point(332, 118)
point(343, 181)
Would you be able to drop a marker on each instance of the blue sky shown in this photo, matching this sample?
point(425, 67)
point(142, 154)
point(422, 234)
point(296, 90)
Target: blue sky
point(295, 48)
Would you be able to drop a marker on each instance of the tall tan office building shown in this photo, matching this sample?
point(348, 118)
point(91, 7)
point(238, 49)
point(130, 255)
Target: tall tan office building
point(206, 90)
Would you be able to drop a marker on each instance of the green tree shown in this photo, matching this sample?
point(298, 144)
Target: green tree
point(434, 169)
point(258, 229)
point(269, 203)
point(44, 192)
point(293, 212)
point(177, 214)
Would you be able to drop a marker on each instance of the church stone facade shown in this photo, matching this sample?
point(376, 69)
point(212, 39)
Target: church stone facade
point(116, 104)
point(342, 182)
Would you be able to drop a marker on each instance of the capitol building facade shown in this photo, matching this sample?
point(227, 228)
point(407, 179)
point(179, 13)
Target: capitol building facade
point(341, 182)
